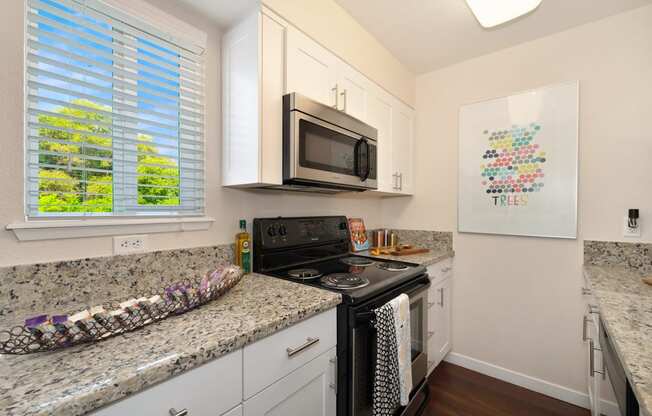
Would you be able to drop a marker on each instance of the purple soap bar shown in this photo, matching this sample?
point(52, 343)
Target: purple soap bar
point(35, 321)
point(59, 319)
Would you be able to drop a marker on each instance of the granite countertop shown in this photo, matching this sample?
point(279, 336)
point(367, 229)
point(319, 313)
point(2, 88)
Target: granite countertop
point(74, 381)
point(625, 305)
point(435, 255)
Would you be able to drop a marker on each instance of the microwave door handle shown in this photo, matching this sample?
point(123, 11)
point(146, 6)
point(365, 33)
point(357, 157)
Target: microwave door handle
point(368, 161)
point(365, 176)
point(356, 156)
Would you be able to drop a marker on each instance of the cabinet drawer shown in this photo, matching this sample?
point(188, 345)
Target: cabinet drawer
point(208, 390)
point(271, 358)
point(440, 271)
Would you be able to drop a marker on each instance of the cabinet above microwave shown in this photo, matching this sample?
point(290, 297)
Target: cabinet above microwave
point(264, 58)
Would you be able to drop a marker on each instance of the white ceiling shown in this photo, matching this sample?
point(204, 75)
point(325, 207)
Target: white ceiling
point(430, 34)
point(224, 12)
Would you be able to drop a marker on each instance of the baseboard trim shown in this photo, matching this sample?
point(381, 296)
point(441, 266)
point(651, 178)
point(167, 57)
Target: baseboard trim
point(556, 391)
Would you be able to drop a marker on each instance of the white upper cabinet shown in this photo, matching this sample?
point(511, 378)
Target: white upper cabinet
point(264, 58)
point(311, 69)
point(403, 148)
point(353, 91)
point(379, 115)
point(253, 76)
point(317, 73)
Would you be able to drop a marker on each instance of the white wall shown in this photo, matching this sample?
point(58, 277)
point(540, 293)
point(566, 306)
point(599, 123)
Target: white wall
point(517, 300)
point(226, 205)
point(335, 29)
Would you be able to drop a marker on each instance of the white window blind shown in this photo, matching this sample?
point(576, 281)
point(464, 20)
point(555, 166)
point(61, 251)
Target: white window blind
point(114, 117)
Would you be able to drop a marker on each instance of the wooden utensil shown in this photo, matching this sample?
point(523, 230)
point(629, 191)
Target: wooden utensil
point(409, 251)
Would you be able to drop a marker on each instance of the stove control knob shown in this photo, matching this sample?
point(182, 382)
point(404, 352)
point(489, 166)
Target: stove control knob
point(271, 231)
point(282, 230)
point(343, 226)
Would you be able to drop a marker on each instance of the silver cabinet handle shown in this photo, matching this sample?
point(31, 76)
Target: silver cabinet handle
point(430, 334)
point(431, 304)
point(585, 320)
point(594, 310)
point(592, 370)
point(441, 297)
point(586, 291)
point(336, 90)
point(333, 385)
point(395, 181)
point(175, 412)
point(309, 342)
point(343, 94)
point(400, 183)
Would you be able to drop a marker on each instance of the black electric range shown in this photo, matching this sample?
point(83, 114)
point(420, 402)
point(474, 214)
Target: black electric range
point(315, 251)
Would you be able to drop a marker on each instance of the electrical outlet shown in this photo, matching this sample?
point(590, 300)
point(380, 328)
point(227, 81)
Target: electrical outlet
point(129, 244)
point(631, 232)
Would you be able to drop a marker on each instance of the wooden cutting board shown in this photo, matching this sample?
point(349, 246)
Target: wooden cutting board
point(409, 251)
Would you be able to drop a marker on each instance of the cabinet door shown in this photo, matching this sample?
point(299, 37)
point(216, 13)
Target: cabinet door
point(403, 147)
point(379, 115)
point(593, 361)
point(309, 390)
point(444, 330)
point(439, 321)
point(353, 88)
point(311, 69)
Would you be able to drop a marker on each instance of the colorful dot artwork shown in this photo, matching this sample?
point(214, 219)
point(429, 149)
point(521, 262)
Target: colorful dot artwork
point(513, 165)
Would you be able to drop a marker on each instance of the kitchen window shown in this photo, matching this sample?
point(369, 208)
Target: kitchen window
point(114, 115)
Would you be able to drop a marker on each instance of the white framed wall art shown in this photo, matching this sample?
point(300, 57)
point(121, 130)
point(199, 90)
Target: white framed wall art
point(518, 163)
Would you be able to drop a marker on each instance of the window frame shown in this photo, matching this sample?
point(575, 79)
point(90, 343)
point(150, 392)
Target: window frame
point(72, 225)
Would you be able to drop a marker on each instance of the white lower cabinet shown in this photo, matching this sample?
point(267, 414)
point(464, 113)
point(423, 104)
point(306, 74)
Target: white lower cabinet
point(439, 312)
point(309, 390)
point(601, 396)
point(208, 390)
point(291, 372)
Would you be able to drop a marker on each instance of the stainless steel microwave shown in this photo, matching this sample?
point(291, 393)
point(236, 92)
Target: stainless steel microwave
point(326, 149)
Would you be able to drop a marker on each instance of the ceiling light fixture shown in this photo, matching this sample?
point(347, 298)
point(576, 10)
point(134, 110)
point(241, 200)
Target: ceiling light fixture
point(491, 13)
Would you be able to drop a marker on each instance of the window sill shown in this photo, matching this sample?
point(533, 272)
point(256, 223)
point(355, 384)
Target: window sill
point(79, 228)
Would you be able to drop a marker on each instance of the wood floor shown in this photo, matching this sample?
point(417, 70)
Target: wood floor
point(456, 391)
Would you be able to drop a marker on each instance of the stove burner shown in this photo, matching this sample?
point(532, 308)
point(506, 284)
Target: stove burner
point(304, 274)
point(392, 266)
point(344, 281)
point(357, 261)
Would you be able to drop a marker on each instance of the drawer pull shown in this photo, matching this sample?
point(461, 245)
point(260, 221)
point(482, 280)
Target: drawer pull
point(431, 304)
point(585, 320)
point(309, 342)
point(175, 412)
point(586, 291)
point(333, 385)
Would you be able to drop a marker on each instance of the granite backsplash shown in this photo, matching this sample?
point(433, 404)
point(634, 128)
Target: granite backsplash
point(607, 253)
point(68, 286)
point(436, 240)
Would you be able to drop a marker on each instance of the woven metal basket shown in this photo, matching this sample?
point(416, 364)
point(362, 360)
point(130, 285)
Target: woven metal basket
point(174, 300)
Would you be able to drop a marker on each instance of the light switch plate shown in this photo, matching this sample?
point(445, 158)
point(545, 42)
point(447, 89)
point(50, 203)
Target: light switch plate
point(631, 232)
point(129, 244)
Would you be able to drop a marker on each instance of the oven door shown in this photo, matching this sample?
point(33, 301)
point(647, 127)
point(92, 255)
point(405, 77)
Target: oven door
point(363, 348)
point(321, 152)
